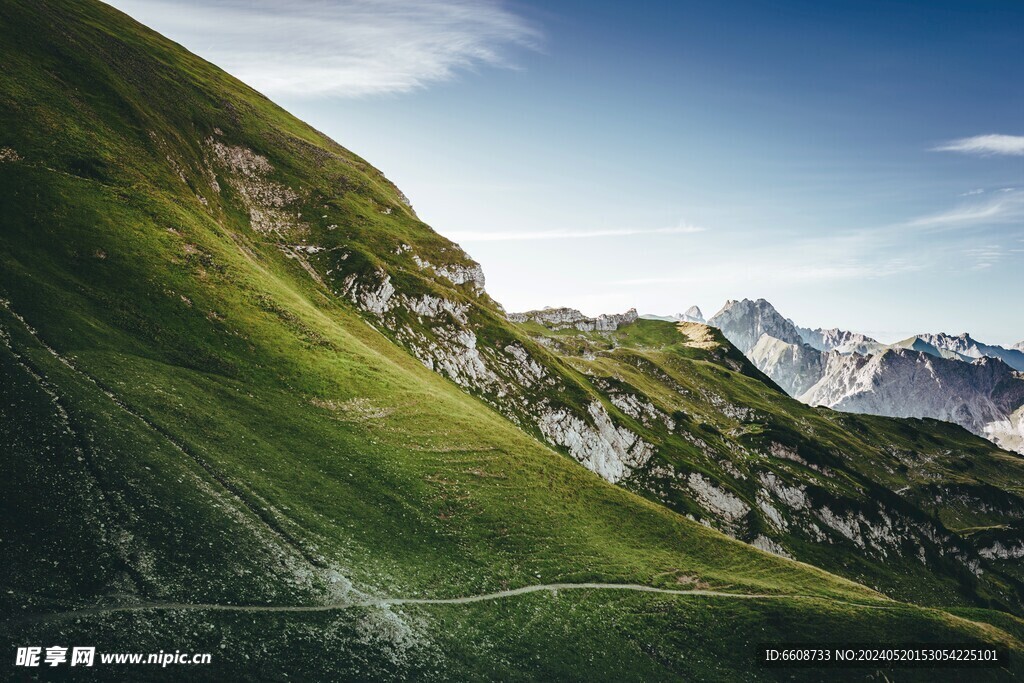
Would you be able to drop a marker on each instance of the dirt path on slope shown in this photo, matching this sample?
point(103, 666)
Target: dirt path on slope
point(369, 601)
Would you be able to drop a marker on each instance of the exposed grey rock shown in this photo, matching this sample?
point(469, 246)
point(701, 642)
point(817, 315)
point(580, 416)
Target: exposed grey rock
point(561, 318)
point(936, 377)
point(268, 201)
point(641, 409)
point(443, 336)
point(600, 446)
point(725, 505)
point(693, 314)
point(372, 294)
point(526, 371)
point(744, 322)
point(1000, 551)
point(769, 546)
point(462, 274)
point(1008, 433)
point(457, 274)
point(431, 306)
point(903, 383)
point(794, 497)
point(794, 367)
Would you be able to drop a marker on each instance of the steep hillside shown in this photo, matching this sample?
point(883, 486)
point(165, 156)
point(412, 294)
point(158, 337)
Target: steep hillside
point(891, 503)
point(252, 406)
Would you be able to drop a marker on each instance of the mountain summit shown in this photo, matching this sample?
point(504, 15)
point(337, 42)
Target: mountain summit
point(692, 315)
point(744, 322)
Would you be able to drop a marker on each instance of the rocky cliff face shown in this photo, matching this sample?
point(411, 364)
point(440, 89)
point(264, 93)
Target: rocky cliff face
point(562, 318)
point(794, 367)
point(441, 313)
point(903, 383)
point(932, 376)
point(744, 322)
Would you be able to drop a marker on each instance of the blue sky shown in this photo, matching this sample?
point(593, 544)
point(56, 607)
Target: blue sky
point(859, 164)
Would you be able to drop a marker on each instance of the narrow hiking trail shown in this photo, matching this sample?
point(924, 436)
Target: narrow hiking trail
point(383, 602)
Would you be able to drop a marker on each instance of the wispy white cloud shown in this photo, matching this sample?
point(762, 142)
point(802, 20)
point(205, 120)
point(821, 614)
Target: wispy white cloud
point(1004, 207)
point(986, 256)
point(985, 144)
point(781, 271)
point(341, 47)
point(526, 235)
point(756, 261)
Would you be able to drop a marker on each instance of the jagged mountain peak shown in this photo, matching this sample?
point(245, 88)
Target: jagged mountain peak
point(692, 315)
point(943, 376)
point(743, 322)
point(963, 347)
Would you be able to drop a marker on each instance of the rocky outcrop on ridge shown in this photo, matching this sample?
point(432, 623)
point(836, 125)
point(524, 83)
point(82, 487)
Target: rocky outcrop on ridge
point(441, 313)
point(562, 318)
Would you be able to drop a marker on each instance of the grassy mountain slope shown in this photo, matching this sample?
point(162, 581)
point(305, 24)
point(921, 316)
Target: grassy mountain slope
point(915, 508)
point(195, 409)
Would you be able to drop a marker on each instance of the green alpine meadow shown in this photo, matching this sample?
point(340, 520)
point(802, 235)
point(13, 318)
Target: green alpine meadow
point(252, 406)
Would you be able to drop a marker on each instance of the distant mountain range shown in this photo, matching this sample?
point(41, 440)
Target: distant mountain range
point(948, 377)
point(693, 314)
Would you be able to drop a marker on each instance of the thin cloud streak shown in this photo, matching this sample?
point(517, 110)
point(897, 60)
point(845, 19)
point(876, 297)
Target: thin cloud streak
point(1012, 145)
point(778, 273)
point(1006, 207)
point(347, 48)
point(985, 257)
point(568, 234)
